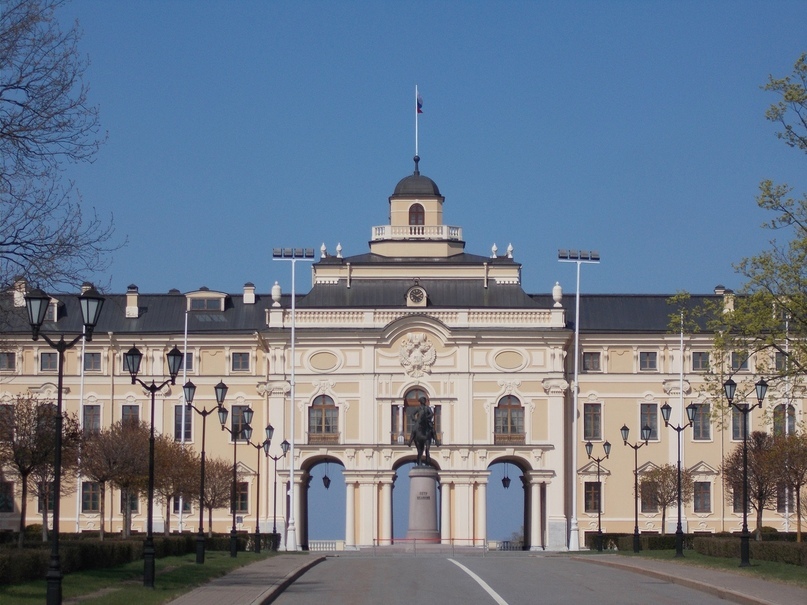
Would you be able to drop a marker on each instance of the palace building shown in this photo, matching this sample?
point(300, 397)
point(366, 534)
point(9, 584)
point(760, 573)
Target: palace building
point(338, 368)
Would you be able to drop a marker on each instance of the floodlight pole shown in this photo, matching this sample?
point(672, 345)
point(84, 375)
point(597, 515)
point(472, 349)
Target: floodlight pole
point(578, 257)
point(292, 255)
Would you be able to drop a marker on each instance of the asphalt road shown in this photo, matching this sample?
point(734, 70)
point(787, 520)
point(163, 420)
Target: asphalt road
point(501, 580)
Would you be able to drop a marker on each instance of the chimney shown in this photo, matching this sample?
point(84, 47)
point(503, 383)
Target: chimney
point(132, 310)
point(20, 288)
point(720, 289)
point(249, 293)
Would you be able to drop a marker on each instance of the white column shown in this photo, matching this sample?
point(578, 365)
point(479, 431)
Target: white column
point(535, 515)
point(445, 513)
point(385, 538)
point(350, 515)
point(481, 534)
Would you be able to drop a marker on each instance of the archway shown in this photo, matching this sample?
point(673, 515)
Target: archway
point(323, 504)
point(508, 505)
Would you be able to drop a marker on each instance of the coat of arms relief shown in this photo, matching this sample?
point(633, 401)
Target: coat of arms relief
point(417, 355)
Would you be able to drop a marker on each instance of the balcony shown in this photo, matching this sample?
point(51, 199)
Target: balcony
point(323, 438)
point(417, 232)
point(509, 438)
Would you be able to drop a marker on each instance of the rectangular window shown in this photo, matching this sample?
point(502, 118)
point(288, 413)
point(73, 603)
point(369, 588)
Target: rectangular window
point(592, 496)
point(90, 497)
point(242, 497)
point(649, 417)
point(48, 362)
point(648, 361)
point(737, 420)
point(237, 422)
point(240, 362)
point(205, 304)
point(7, 422)
point(92, 362)
point(52, 313)
point(647, 491)
point(130, 413)
point(6, 497)
point(779, 361)
point(8, 362)
point(703, 497)
point(187, 362)
point(40, 500)
point(179, 434)
point(592, 425)
point(91, 419)
point(134, 502)
point(591, 362)
point(737, 499)
point(700, 361)
point(701, 423)
point(739, 361)
point(186, 505)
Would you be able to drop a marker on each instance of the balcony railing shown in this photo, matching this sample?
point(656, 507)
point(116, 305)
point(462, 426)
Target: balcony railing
point(323, 438)
point(509, 438)
point(425, 232)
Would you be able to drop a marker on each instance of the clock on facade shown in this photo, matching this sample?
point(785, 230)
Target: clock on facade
point(416, 295)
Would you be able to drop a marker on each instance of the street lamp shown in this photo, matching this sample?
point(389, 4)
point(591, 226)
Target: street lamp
point(37, 302)
point(285, 447)
point(292, 255)
point(131, 363)
point(730, 388)
point(269, 430)
point(607, 447)
point(578, 257)
point(645, 436)
point(245, 432)
point(665, 413)
point(221, 392)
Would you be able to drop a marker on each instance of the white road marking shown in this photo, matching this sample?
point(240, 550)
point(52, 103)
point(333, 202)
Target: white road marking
point(493, 594)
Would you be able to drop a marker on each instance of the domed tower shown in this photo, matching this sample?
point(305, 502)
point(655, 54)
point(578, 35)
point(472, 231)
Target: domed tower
point(416, 226)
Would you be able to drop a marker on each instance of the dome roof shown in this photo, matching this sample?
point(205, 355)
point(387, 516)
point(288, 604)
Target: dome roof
point(416, 184)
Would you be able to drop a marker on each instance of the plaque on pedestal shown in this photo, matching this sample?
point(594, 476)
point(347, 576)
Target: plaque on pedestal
point(423, 505)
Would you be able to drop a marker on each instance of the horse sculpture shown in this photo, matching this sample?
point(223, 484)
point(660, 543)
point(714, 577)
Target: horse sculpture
point(423, 433)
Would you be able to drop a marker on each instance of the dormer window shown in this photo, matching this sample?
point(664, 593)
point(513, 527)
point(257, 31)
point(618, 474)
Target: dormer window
point(417, 216)
point(52, 312)
point(205, 304)
point(205, 299)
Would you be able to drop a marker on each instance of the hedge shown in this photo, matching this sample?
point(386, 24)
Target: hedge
point(793, 553)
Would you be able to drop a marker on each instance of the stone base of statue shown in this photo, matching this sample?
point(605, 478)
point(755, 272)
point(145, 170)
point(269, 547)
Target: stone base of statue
point(423, 505)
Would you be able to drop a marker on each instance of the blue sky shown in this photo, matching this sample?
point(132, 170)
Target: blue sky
point(632, 128)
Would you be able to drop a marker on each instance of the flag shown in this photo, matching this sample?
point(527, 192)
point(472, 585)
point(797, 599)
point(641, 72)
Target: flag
point(420, 103)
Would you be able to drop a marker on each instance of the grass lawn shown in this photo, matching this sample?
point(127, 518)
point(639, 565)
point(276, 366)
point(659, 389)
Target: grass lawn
point(766, 570)
point(124, 584)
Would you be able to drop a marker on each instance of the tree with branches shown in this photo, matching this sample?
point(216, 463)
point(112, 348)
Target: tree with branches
point(218, 487)
point(28, 448)
point(789, 453)
point(763, 476)
point(130, 474)
point(660, 486)
point(176, 473)
point(46, 121)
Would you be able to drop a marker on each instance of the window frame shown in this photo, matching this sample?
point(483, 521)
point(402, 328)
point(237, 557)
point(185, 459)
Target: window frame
point(702, 500)
point(737, 364)
point(784, 418)
point(737, 419)
point(91, 412)
point(242, 498)
point(5, 358)
point(237, 420)
point(592, 361)
point(126, 410)
point(187, 506)
point(647, 503)
point(702, 422)
point(648, 416)
point(178, 408)
point(645, 358)
point(52, 357)
point(323, 416)
point(6, 496)
point(240, 355)
point(510, 409)
point(592, 490)
point(90, 494)
point(92, 355)
point(592, 415)
point(417, 215)
point(134, 502)
point(703, 363)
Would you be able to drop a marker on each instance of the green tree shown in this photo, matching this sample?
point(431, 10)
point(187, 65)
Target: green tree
point(660, 486)
point(46, 121)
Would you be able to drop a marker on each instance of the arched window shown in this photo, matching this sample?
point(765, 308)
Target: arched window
point(779, 419)
point(416, 215)
point(323, 421)
point(402, 415)
point(509, 420)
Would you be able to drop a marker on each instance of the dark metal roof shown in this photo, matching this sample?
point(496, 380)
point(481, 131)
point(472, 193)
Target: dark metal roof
point(416, 184)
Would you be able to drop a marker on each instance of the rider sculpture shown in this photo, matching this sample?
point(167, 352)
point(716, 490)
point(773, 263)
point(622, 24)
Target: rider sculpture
point(423, 432)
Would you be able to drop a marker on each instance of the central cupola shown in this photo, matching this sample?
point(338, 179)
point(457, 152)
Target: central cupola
point(416, 228)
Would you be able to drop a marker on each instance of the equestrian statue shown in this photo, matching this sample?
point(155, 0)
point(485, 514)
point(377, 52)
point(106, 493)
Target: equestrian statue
point(423, 432)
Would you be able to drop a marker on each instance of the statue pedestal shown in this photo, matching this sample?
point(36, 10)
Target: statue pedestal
point(423, 505)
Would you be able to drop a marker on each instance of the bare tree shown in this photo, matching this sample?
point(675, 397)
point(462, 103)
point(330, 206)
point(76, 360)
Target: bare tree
point(46, 120)
point(130, 474)
point(176, 473)
point(763, 475)
point(218, 487)
point(790, 458)
point(660, 486)
point(28, 445)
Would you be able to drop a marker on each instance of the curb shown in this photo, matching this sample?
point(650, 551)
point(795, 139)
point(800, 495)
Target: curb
point(723, 593)
point(271, 593)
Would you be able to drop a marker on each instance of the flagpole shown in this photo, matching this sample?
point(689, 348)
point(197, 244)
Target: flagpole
point(416, 119)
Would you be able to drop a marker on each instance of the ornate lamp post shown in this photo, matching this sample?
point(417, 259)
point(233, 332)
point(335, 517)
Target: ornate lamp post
point(730, 388)
point(245, 432)
point(131, 363)
point(607, 447)
point(645, 437)
point(36, 302)
point(221, 392)
point(665, 413)
point(269, 430)
point(285, 447)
